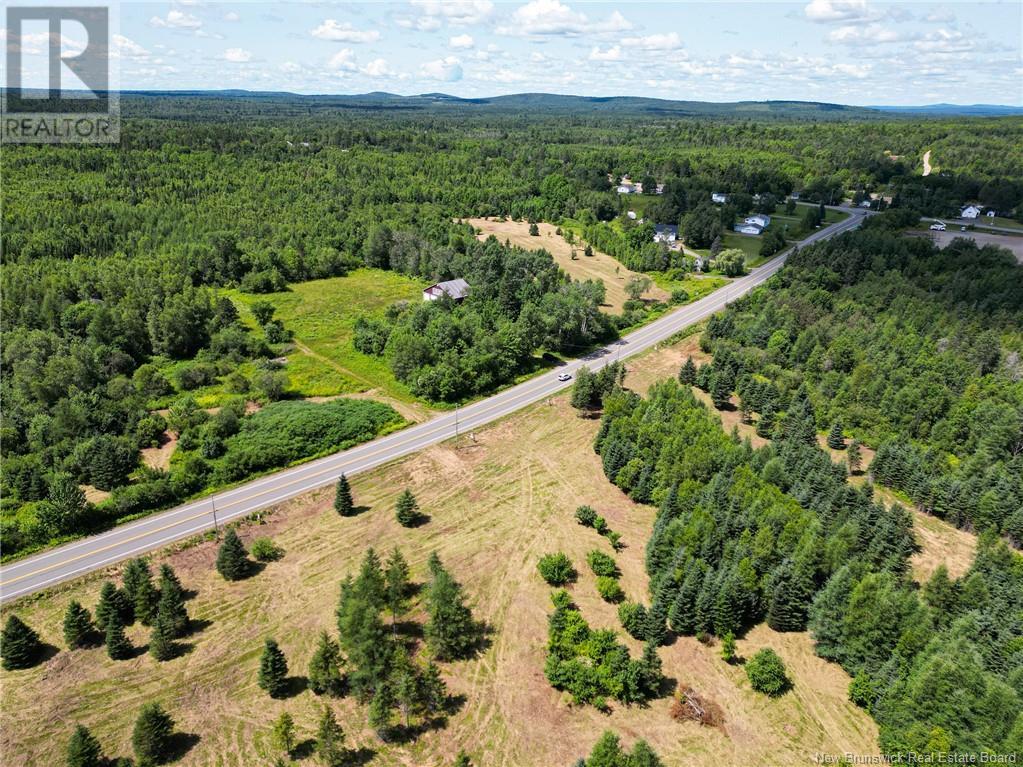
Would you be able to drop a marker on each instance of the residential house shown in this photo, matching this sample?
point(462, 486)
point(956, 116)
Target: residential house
point(659, 189)
point(760, 219)
point(456, 289)
point(624, 188)
point(970, 211)
point(665, 233)
point(719, 198)
point(749, 228)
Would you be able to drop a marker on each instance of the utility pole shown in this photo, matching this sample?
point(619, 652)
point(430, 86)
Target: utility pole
point(216, 527)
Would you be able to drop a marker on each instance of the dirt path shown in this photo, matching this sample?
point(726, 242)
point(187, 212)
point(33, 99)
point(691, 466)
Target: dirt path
point(927, 162)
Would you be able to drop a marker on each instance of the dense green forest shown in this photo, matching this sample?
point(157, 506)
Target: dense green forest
point(777, 534)
point(907, 348)
point(115, 257)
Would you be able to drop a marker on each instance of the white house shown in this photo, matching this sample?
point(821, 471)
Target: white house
point(990, 214)
point(749, 228)
point(456, 289)
point(659, 189)
point(760, 219)
point(718, 197)
point(665, 233)
point(970, 211)
point(627, 189)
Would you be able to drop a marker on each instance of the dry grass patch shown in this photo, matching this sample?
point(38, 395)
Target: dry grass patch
point(599, 266)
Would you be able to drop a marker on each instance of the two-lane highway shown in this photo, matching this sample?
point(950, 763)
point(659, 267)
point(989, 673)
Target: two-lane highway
point(37, 572)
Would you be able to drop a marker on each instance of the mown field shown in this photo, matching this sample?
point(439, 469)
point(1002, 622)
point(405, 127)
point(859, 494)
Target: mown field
point(495, 507)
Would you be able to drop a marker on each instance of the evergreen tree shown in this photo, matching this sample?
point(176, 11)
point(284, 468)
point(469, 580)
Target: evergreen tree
point(643, 756)
point(343, 503)
point(396, 585)
point(151, 737)
point(835, 439)
point(330, 740)
point(78, 628)
point(161, 639)
point(790, 598)
point(83, 750)
point(720, 391)
point(407, 510)
point(433, 691)
point(171, 607)
point(146, 600)
point(363, 638)
point(111, 601)
point(135, 573)
point(854, 457)
point(728, 647)
point(325, 667)
point(687, 373)
point(282, 736)
point(119, 647)
point(765, 424)
point(380, 711)
point(404, 683)
point(450, 630)
point(19, 645)
point(585, 391)
point(232, 558)
point(273, 670)
point(607, 752)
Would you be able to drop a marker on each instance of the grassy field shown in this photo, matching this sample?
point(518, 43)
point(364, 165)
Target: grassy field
point(599, 266)
point(495, 507)
point(322, 315)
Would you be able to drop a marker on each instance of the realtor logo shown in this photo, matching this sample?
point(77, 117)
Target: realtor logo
point(58, 85)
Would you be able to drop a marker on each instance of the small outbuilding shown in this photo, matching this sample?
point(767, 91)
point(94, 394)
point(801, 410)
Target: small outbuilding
point(455, 289)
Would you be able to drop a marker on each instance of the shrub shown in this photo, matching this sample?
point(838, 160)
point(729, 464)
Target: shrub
point(600, 525)
point(633, 618)
point(766, 673)
point(609, 590)
point(585, 516)
point(556, 569)
point(265, 550)
point(602, 564)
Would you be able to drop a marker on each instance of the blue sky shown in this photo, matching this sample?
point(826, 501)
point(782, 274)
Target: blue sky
point(846, 51)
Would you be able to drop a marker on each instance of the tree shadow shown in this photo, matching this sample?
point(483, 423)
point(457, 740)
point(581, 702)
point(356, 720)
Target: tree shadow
point(294, 685)
point(197, 626)
point(179, 744)
point(409, 629)
point(360, 756)
point(47, 650)
point(667, 687)
point(419, 520)
point(357, 510)
point(304, 750)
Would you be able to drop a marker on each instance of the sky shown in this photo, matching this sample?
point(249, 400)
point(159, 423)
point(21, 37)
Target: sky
point(841, 51)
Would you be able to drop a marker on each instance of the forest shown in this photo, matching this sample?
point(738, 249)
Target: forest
point(118, 259)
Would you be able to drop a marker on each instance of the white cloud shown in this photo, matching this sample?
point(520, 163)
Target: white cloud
point(344, 32)
point(871, 34)
point(127, 48)
point(659, 42)
point(176, 19)
point(343, 61)
point(461, 41)
point(377, 68)
point(237, 55)
point(826, 11)
point(448, 69)
point(945, 41)
point(422, 23)
point(942, 16)
point(614, 53)
point(290, 67)
point(455, 11)
point(551, 17)
point(232, 16)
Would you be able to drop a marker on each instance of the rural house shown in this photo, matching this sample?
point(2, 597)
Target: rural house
point(718, 197)
point(760, 219)
point(665, 233)
point(456, 289)
point(970, 211)
point(749, 228)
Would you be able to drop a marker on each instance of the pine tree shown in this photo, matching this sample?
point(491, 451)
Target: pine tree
point(450, 630)
point(607, 752)
point(854, 457)
point(687, 373)
point(396, 585)
point(835, 439)
point(433, 691)
point(111, 600)
point(789, 599)
point(161, 639)
point(343, 503)
point(232, 559)
point(765, 424)
point(380, 708)
point(171, 607)
point(407, 510)
point(324, 667)
point(585, 391)
point(283, 734)
point(404, 683)
point(330, 740)
point(78, 628)
point(119, 647)
point(19, 645)
point(643, 756)
point(135, 573)
point(273, 670)
point(83, 750)
point(651, 667)
point(146, 600)
point(720, 391)
point(151, 737)
point(728, 647)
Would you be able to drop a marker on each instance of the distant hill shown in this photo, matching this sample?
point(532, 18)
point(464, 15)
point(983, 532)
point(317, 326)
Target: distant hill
point(965, 110)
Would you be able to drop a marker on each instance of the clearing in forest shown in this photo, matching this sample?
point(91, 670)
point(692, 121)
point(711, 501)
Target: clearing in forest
point(599, 266)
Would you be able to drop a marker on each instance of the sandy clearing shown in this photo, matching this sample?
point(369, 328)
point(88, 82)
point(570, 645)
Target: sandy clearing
point(1010, 242)
point(927, 162)
point(599, 266)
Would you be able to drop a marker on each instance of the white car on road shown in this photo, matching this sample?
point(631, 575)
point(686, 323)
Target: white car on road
point(564, 376)
point(938, 227)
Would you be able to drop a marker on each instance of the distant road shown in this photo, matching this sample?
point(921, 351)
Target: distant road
point(47, 568)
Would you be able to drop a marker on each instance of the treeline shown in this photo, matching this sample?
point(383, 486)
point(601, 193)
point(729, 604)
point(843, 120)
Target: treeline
point(777, 534)
point(909, 348)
